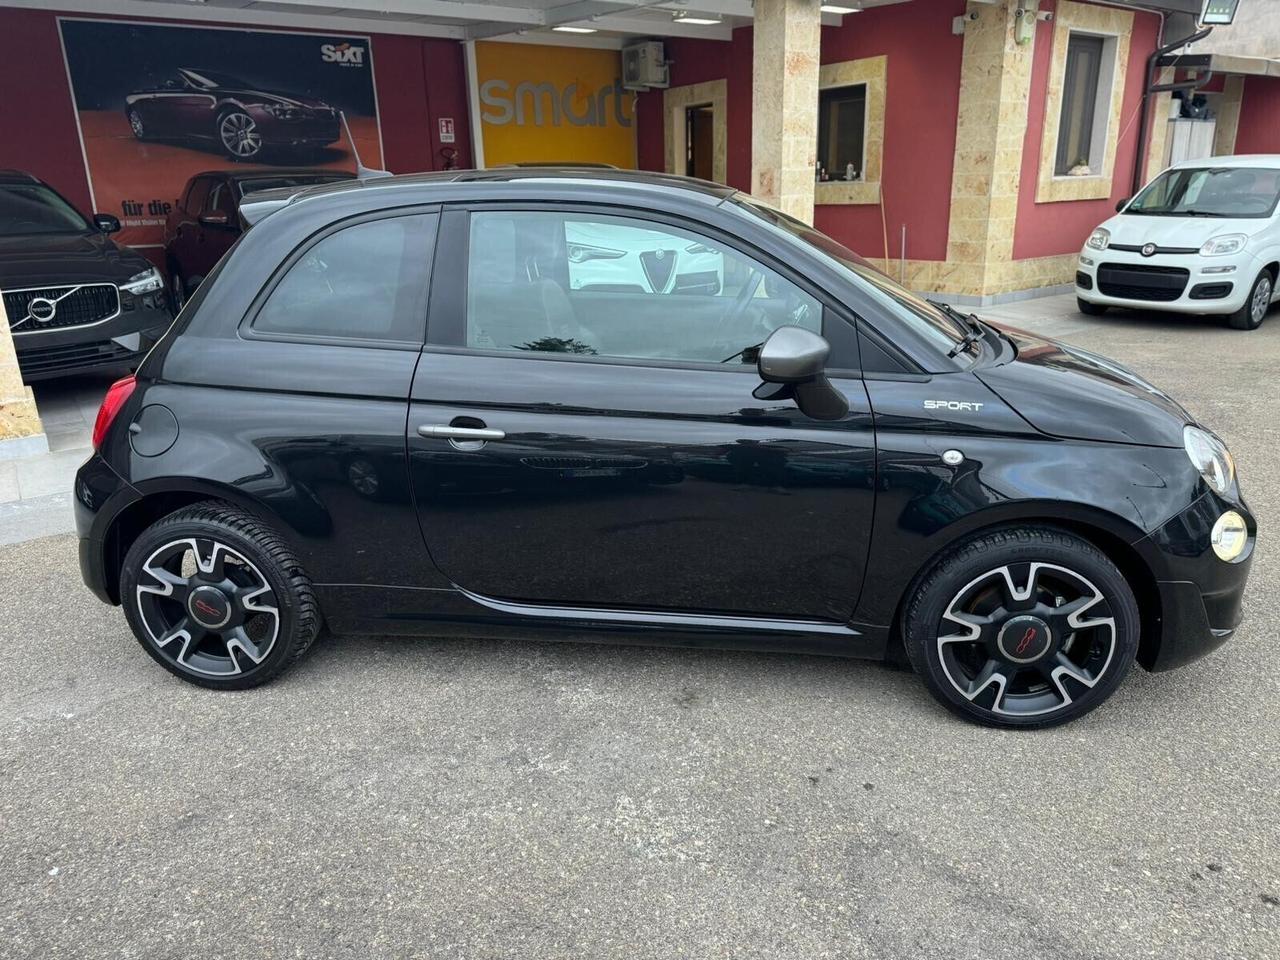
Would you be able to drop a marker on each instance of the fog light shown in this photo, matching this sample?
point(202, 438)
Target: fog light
point(1086, 261)
point(1229, 536)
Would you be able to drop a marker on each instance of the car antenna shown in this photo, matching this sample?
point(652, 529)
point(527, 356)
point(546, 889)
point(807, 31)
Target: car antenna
point(362, 172)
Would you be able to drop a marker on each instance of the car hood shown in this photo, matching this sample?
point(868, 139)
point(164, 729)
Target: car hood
point(1067, 392)
point(50, 259)
point(1136, 230)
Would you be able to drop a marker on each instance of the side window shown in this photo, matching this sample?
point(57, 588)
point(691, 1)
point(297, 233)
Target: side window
point(621, 287)
point(196, 195)
point(220, 200)
point(367, 282)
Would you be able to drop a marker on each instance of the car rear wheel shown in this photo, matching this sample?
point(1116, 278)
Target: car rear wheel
point(239, 136)
point(137, 125)
point(1090, 309)
point(1254, 311)
point(1022, 627)
point(217, 598)
point(177, 290)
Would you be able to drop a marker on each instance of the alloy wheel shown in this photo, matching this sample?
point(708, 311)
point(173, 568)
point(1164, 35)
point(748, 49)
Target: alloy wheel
point(1027, 639)
point(239, 134)
point(1261, 302)
point(135, 123)
point(206, 608)
point(177, 291)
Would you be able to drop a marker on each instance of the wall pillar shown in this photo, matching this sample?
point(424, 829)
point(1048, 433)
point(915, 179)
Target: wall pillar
point(784, 103)
point(21, 433)
point(995, 87)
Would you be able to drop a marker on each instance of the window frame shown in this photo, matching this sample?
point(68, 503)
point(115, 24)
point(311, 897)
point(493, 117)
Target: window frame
point(246, 330)
point(866, 124)
point(447, 312)
point(1093, 128)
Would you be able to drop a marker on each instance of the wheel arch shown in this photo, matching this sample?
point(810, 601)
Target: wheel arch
point(1114, 536)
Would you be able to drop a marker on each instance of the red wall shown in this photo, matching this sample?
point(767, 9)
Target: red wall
point(1259, 130)
point(418, 81)
point(1048, 229)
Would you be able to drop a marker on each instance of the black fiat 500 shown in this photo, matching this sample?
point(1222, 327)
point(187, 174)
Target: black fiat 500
point(599, 405)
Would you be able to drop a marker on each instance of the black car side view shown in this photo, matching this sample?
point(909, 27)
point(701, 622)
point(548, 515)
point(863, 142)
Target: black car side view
point(229, 114)
point(75, 300)
point(486, 404)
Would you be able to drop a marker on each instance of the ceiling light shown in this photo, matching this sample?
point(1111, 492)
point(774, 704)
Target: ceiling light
point(575, 29)
point(836, 8)
point(698, 19)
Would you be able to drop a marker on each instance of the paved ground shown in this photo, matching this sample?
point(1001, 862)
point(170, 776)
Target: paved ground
point(395, 798)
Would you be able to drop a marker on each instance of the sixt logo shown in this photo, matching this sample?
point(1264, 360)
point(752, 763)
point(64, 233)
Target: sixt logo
point(964, 405)
point(345, 54)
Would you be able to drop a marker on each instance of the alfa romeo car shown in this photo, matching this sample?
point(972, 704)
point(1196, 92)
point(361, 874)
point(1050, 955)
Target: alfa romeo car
point(215, 108)
point(1202, 238)
point(389, 410)
point(75, 300)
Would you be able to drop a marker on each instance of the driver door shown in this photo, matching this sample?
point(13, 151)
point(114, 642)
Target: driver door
point(609, 362)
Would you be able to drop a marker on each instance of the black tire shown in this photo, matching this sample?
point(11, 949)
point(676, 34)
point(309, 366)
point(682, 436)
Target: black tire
point(1044, 691)
point(1090, 309)
point(178, 294)
point(1256, 305)
point(205, 657)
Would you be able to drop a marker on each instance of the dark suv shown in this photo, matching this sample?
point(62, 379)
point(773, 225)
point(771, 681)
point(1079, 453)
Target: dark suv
point(205, 221)
point(413, 406)
point(75, 300)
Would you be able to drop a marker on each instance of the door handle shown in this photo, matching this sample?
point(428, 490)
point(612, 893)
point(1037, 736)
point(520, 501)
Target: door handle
point(444, 432)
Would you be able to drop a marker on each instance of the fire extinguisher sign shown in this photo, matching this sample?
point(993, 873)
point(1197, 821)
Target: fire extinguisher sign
point(446, 130)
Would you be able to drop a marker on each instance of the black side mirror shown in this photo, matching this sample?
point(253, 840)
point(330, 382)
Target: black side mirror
point(793, 363)
point(106, 222)
point(1120, 205)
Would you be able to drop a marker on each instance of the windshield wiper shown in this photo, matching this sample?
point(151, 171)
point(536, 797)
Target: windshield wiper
point(970, 326)
point(1199, 213)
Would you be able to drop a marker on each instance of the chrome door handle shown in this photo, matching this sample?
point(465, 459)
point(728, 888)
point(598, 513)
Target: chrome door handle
point(445, 432)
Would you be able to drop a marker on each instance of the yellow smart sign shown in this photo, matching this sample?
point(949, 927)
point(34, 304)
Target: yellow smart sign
point(544, 104)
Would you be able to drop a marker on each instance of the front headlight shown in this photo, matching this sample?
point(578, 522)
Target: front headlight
point(582, 252)
point(148, 281)
point(1210, 456)
point(1099, 239)
point(1224, 245)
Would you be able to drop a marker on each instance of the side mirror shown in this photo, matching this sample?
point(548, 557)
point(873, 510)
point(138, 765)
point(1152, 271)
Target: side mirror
point(215, 219)
point(106, 222)
point(793, 363)
point(1121, 204)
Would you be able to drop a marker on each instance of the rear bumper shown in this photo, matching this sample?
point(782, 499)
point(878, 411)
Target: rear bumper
point(99, 495)
point(1201, 596)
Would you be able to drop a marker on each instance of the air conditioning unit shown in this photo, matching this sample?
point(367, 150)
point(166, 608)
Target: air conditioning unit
point(644, 65)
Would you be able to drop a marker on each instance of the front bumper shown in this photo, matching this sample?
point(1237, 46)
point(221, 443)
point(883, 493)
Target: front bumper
point(1201, 596)
point(119, 341)
point(315, 131)
point(1199, 293)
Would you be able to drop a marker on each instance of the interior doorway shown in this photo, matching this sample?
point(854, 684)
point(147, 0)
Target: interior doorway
point(699, 143)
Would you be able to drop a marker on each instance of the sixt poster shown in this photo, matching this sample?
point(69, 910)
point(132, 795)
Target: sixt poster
point(157, 104)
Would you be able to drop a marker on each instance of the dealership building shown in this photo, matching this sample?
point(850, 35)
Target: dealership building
point(968, 145)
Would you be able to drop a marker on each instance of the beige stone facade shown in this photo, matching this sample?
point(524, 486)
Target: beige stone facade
point(18, 416)
point(873, 72)
point(675, 101)
point(1224, 135)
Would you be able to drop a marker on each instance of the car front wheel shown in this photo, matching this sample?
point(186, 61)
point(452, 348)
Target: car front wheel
point(217, 597)
point(239, 136)
point(1254, 311)
point(1022, 627)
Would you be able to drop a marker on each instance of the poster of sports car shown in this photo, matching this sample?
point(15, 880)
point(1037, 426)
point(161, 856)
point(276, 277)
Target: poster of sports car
point(157, 104)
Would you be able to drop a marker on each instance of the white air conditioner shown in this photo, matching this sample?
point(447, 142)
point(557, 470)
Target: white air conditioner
point(644, 65)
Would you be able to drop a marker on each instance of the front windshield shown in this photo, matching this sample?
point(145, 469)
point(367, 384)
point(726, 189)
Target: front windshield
point(1235, 192)
point(30, 208)
point(926, 319)
point(213, 78)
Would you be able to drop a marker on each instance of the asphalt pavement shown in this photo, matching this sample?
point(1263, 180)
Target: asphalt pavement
point(396, 797)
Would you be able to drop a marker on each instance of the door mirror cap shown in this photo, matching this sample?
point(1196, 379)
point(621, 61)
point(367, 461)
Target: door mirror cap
point(215, 219)
point(792, 364)
point(1121, 204)
point(106, 222)
point(792, 355)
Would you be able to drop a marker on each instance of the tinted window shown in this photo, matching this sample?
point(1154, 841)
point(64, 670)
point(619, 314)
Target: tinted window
point(29, 208)
point(273, 183)
point(621, 287)
point(367, 281)
point(196, 195)
point(220, 200)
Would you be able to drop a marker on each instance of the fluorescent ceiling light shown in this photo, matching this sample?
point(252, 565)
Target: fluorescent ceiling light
point(698, 19)
point(575, 29)
point(835, 8)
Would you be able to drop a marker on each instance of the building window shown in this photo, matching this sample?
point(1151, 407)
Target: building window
point(842, 132)
point(1086, 103)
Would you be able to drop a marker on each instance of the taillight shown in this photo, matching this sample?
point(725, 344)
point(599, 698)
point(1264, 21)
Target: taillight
point(117, 394)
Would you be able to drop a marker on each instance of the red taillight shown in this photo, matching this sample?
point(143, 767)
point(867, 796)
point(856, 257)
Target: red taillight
point(117, 394)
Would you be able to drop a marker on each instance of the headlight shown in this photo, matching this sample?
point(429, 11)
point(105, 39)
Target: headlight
point(1210, 456)
point(148, 281)
point(580, 252)
point(1099, 239)
point(1222, 246)
point(1229, 536)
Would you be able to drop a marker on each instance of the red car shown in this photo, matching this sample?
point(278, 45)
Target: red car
point(212, 107)
point(206, 221)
